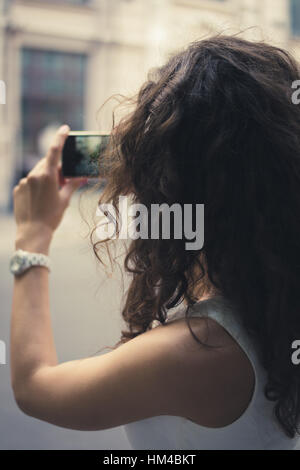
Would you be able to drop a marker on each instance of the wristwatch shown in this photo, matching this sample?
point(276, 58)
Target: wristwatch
point(22, 260)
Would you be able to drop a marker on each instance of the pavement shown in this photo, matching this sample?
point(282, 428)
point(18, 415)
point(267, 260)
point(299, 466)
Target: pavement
point(85, 308)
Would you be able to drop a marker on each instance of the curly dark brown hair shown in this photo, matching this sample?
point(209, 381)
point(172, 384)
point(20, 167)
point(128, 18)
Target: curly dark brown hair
point(216, 125)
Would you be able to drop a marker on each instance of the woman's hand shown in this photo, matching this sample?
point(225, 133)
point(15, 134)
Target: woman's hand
point(39, 203)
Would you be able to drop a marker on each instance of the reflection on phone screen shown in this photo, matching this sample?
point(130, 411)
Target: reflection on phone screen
point(82, 155)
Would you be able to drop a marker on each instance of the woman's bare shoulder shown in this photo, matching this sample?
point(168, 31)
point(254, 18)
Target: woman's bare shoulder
point(214, 369)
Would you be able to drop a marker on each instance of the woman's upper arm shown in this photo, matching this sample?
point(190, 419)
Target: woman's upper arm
point(137, 380)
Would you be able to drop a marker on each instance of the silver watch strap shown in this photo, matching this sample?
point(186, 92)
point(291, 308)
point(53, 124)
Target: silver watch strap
point(39, 259)
point(35, 259)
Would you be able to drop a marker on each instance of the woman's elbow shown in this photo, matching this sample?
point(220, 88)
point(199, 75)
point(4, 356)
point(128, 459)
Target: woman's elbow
point(23, 398)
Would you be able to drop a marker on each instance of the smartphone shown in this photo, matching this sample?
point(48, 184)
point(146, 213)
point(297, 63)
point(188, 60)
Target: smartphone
point(81, 154)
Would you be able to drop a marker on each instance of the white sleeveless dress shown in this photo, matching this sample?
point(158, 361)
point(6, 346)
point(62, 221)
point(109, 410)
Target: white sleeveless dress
point(255, 429)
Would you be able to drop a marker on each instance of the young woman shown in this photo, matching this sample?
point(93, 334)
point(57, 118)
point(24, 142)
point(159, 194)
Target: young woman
point(215, 125)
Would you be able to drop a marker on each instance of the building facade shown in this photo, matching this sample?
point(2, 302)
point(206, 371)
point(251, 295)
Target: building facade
point(62, 59)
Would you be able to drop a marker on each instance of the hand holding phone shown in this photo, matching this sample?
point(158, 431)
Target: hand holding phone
point(81, 154)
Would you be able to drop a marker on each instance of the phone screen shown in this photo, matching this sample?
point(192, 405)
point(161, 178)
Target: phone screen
point(82, 154)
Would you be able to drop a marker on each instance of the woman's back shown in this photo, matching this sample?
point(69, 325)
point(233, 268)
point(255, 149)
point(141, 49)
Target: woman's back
point(256, 428)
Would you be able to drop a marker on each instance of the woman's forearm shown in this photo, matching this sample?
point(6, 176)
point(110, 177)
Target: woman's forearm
point(32, 343)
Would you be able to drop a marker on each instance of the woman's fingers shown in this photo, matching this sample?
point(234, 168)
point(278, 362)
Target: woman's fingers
point(61, 179)
point(54, 153)
point(69, 188)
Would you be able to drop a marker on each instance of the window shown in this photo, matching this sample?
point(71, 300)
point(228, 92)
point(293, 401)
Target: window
point(295, 17)
point(53, 85)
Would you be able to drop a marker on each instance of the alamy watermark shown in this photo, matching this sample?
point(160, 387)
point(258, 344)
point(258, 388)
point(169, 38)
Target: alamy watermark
point(2, 92)
point(2, 343)
point(2, 353)
point(296, 354)
point(136, 221)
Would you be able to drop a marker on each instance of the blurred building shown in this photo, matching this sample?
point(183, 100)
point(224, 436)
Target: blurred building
point(62, 59)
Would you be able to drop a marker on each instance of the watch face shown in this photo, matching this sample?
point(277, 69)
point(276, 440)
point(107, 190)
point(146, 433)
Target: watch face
point(17, 263)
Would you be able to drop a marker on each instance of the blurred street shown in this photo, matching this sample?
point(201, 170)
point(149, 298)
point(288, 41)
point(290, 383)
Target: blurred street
point(85, 311)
